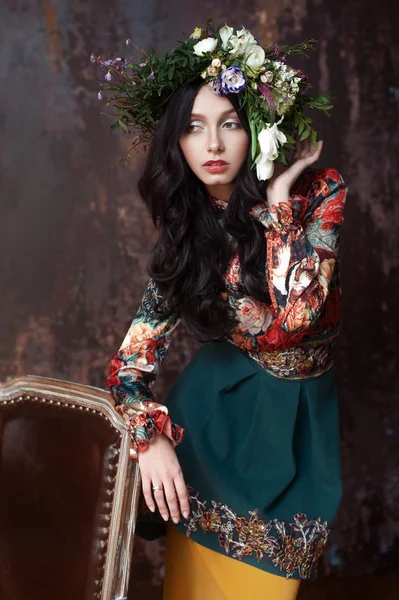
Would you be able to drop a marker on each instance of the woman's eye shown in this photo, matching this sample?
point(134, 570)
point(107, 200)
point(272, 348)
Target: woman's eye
point(228, 125)
point(191, 127)
point(232, 124)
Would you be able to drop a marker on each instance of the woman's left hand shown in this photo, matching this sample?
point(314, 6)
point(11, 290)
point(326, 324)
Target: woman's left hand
point(284, 177)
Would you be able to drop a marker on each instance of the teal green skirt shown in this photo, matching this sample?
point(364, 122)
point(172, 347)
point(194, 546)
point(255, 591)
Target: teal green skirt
point(261, 457)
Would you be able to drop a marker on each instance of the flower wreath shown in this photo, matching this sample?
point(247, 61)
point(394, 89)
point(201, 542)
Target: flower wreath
point(232, 62)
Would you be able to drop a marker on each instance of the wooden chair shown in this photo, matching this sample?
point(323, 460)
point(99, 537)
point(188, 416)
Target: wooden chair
point(68, 493)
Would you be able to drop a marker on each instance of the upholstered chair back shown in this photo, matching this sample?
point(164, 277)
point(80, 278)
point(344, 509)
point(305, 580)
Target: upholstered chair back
point(68, 493)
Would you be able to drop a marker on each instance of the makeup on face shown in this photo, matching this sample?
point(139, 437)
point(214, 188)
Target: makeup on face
point(215, 144)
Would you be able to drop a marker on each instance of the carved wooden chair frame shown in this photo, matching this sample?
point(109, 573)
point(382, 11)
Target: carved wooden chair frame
point(124, 508)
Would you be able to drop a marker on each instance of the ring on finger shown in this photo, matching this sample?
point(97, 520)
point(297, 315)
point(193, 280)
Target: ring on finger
point(157, 488)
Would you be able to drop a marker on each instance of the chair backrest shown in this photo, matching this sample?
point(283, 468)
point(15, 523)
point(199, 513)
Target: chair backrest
point(69, 493)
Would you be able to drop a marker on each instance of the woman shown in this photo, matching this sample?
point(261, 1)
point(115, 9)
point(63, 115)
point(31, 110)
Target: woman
point(250, 266)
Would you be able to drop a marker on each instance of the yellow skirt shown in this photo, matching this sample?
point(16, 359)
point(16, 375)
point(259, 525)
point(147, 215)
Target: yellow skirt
point(193, 572)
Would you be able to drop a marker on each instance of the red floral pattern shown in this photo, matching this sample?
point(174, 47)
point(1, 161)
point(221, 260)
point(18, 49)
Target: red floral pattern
point(301, 271)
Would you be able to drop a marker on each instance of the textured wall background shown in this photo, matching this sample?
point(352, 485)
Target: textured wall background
point(74, 237)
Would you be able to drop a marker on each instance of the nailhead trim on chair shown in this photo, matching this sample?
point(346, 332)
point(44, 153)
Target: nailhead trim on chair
point(57, 403)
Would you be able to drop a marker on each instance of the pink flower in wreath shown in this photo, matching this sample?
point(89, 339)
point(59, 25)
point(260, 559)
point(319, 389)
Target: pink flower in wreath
point(253, 316)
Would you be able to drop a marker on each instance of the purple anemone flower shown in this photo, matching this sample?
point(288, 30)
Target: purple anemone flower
point(232, 80)
point(217, 87)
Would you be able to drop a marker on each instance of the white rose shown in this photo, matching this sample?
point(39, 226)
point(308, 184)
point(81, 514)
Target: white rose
point(254, 57)
point(206, 45)
point(216, 62)
point(225, 34)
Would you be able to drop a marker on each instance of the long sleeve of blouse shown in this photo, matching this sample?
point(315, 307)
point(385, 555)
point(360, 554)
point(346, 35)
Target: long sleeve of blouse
point(302, 240)
point(134, 368)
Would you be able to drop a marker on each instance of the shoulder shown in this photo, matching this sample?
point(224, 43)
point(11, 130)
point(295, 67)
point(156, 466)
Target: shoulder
point(330, 175)
point(315, 182)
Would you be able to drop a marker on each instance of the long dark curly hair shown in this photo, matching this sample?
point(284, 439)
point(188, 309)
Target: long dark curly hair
point(193, 250)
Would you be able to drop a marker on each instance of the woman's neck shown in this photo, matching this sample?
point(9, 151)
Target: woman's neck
point(220, 192)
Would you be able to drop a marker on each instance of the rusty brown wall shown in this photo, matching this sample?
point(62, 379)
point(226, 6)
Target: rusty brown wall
point(74, 237)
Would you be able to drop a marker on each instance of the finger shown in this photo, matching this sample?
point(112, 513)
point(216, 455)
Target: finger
point(315, 152)
point(160, 500)
point(303, 152)
point(311, 155)
point(147, 493)
point(182, 494)
point(171, 499)
point(309, 144)
point(309, 148)
point(319, 146)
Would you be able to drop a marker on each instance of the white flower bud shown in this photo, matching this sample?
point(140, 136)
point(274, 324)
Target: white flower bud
point(213, 71)
point(196, 33)
point(216, 62)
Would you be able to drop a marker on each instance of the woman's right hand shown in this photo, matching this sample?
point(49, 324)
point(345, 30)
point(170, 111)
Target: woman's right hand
point(159, 466)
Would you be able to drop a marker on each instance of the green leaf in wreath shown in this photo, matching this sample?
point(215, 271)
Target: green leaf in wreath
point(313, 138)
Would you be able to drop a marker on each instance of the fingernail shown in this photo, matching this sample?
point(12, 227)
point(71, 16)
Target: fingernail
point(165, 517)
point(152, 508)
point(176, 520)
point(186, 514)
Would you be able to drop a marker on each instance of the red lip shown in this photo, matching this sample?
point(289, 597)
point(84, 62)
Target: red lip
point(215, 162)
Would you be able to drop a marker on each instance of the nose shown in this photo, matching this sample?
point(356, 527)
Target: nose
point(215, 142)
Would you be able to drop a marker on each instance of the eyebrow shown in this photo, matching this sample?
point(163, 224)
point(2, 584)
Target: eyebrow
point(226, 112)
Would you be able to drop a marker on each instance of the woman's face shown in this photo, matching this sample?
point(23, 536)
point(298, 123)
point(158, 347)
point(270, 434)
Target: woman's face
point(215, 133)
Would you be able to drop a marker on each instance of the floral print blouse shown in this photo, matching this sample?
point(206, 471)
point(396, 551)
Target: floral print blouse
point(302, 239)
